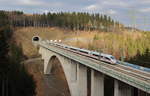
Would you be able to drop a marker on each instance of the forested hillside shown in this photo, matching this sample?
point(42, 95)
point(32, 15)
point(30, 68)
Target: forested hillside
point(66, 20)
point(14, 79)
point(141, 59)
point(132, 43)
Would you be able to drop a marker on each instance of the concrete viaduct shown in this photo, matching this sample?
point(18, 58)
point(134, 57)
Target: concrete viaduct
point(85, 76)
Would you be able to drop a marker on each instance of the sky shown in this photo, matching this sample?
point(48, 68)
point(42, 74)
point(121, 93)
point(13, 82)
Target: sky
point(135, 13)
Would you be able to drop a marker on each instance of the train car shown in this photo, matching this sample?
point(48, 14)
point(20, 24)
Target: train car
point(74, 48)
point(80, 50)
point(99, 56)
point(108, 58)
point(85, 51)
point(105, 57)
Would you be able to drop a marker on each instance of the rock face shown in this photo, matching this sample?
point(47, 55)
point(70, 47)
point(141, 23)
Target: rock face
point(48, 85)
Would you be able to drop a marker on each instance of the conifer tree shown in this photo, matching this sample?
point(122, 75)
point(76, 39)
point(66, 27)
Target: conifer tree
point(4, 61)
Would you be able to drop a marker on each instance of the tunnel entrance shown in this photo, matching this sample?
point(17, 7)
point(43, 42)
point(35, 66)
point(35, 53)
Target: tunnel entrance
point(36, 38)
point(57, 79)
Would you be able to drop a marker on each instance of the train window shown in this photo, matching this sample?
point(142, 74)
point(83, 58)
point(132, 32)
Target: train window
point(112, 57)
point(83, 51)
point(95, 55)
point(107, 58)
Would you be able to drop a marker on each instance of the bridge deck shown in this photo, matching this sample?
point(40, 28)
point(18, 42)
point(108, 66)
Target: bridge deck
point(123, 73)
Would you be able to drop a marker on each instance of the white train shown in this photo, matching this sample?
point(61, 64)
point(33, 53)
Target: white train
point(105, 57)
point(92, 54)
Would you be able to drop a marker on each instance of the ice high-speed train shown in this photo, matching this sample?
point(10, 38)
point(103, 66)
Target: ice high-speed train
point(92, 54)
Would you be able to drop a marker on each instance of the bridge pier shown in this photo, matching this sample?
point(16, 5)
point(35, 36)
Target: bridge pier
point(121, 89)
point(72, 73)
point(141, 93)
point(97, 84)
point(82, 81)
point(46, 59)
point(77, 78)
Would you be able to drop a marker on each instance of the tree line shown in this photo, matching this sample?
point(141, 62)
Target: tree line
point(141, 59)
point(66, 20)
point(14, 78)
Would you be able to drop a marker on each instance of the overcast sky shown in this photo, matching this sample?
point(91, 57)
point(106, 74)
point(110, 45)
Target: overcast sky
point(128, 12)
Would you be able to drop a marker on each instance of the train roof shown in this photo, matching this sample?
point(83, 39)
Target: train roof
point(107, 55)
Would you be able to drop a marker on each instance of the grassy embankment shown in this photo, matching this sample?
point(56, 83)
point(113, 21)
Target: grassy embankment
point(133, 46)
point(24, 36)
point(127, 43)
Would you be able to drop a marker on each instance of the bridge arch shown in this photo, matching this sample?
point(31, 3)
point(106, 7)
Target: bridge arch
point(75, 74)
point(56, 68)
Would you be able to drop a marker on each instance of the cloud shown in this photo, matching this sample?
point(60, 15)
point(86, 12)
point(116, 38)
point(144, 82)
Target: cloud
point(92, 7)
point(117, 3)
point(56, 4)
point(145, 1)
point(144, 10)
point(30, 2)
point(45, 11)
point(111, 12)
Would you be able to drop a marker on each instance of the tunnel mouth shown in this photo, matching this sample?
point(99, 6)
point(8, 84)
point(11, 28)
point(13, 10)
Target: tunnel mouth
point(58, 75)
point(36, 38)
